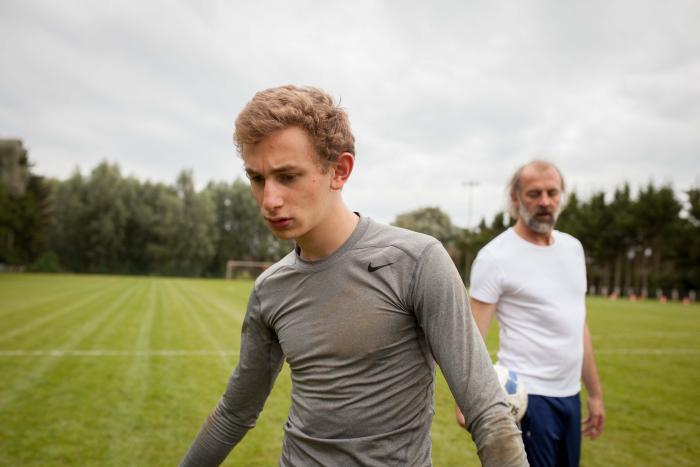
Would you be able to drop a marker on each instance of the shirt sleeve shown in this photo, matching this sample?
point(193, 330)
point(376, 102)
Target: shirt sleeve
point(248, 387)
point(486, 278)
point(441, 307)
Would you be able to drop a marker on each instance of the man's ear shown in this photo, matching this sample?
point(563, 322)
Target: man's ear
point(342, 170)
point(515, 202)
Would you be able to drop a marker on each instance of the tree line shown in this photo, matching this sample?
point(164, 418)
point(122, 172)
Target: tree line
point(104, 222)
point(644, 245)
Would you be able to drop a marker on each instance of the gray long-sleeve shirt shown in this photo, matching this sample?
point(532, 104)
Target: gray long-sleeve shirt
point(361, 331)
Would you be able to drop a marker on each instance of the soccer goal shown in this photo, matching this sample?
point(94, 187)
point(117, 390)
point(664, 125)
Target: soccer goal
point(236, 269)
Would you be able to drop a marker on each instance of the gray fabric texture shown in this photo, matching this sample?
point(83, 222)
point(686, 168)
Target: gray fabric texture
point(361, 331)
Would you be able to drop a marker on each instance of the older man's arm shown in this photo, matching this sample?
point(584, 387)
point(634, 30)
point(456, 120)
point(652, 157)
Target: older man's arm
point(593, 424)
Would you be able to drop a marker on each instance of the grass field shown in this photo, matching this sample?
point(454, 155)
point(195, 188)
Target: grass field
point(106, 370)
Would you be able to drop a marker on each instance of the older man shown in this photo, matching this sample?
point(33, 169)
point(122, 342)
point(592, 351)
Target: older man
point(532, 278)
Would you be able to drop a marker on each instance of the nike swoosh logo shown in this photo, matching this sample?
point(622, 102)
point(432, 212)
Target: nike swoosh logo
point(371, 268)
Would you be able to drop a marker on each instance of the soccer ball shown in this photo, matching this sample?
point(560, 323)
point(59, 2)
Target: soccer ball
point(516, 395)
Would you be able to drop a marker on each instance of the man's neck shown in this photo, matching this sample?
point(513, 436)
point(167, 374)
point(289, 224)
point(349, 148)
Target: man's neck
point(329, 236)
point(527, 234)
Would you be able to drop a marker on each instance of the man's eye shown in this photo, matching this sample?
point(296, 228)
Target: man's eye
point(256, 179)
point(288, 178)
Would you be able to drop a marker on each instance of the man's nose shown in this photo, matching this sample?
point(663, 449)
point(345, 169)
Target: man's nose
point(272, 197)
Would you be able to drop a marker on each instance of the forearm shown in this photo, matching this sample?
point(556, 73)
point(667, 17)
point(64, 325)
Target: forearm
point(499, 442)
point(589, 372)
point(248, 387)
point(219, 434)
point(460, 351)
point(205, 451)
point(483, 314)
point(488, 418)
point(593, 424)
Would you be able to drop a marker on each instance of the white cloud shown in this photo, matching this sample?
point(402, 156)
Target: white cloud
point(438, 93)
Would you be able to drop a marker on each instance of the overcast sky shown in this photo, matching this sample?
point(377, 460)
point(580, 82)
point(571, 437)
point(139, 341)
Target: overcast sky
point(439, 93)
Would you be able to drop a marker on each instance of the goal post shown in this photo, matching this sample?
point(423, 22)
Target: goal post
point(238, 269)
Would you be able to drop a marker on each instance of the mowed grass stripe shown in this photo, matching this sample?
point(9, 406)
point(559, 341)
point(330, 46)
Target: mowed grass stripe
point(70, 337)
point(650, 334)
point(146, 318)
point(194, 384)
point(69, 319)
point(45, 393)
point(650, 352)
point(136, 377)
point(651, 397)
point(121, 328)
point(137, 385)
point(225, 300)
point(17, 298)
point(172, 327)
point(44, 316)
point(57, 353)
point(134, 406)
point(205, 322)
point(223, 315)
point(183, 322)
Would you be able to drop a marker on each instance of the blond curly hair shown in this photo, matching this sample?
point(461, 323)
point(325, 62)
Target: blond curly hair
point(306, 107)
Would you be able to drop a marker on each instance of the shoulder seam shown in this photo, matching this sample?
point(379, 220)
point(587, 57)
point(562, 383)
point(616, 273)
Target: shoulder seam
point(417, 263)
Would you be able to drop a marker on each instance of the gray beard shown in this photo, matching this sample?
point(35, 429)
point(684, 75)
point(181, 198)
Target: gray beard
point(533, 223)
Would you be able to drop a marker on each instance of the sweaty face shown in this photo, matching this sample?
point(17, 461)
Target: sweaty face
point(539, 200)
point(288, 183)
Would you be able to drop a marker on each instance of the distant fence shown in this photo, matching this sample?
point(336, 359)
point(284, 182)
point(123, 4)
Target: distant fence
point(11, 268)
point(643, 294)
point(245, 269)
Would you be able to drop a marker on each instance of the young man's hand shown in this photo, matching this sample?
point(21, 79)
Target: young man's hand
point(460, 418)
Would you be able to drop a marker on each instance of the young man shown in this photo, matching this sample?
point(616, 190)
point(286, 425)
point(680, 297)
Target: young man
point(359, 310)
point(533, 279)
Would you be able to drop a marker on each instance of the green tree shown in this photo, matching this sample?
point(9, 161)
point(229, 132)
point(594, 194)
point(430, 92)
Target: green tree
point(89, 220)
point(24, 206)
point(155, 225)
point(657, 223)
point(693, 246)
point(242, 234)
point(429, 220)
point(436, 223)
point(193, 240)
point(152, 210)
point(66, 226)
point(105, 218)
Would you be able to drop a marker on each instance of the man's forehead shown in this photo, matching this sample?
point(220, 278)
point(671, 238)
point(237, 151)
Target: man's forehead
point(257, 162)
point(545, 177)
point(260, 163)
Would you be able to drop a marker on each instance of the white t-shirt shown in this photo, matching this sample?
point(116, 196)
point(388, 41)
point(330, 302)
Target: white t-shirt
point(540, 295)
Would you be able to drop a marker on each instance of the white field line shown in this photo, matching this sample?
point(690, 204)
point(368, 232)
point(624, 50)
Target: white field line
point(669, 351)
point(187, 302)
point(114, 353)
point(76, 337)
point(227, 353)
point(635, 335)
point(640, 351)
